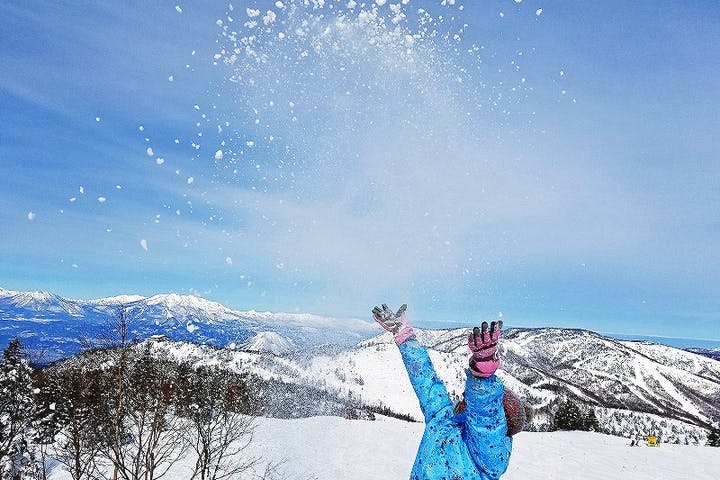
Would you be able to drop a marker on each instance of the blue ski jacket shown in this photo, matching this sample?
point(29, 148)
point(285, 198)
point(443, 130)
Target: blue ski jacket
point(470, 446)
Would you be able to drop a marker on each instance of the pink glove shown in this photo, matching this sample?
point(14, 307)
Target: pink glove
point(395, 323)
point(483, 344)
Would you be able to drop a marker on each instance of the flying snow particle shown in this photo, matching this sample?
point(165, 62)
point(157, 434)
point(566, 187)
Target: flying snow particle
point(562, 73)
point(252, 13)
point(149, 152)
point(518, 1)
point(144, 245)
point(72, 199)
point(159, 160)
point(219, 155)
point(269, 18)
point(190, 180)
point(228, 260)
point(380, 3)
point(538, 12)
point(102, 199)
point(196, 107)
point(178, 9)
point(31, 216)
point(279, 4)
point(97, 119)
point(171, 78)
point(82, 189)
point(249, 143)
point(502, 15)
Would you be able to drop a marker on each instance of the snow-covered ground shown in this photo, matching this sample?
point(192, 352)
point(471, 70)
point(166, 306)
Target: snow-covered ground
point(332, 448)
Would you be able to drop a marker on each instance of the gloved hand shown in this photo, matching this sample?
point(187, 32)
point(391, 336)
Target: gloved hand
point(395, 323)
point(483, 345)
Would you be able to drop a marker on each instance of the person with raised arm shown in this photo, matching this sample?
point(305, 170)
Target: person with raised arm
point(472, 440)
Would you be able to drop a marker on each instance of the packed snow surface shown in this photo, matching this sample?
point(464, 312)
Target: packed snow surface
point(332, 448)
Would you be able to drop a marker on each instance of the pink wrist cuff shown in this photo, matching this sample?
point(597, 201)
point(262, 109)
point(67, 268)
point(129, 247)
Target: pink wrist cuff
point(485, 368)
point(403, 334)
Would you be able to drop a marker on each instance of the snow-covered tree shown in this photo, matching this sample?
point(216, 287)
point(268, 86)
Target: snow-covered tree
point(68, 415)
point(214, 403)
point(590, 422)
point(143, 436)
point(713, 437)
point(17, 412)
point(568, 416)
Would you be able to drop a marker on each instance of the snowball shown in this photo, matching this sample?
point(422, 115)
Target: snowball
point(178, 9)
point(159, 160)
point(31, 216)
point(190, 180)
point(97, 119)
point(538, 12)
point(149, 152)
point(171, 78)
point(219, 155)
point(141, 128)
point(143, 244)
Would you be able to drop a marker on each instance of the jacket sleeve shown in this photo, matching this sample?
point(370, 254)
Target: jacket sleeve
point(430, 390)
point(485, 431)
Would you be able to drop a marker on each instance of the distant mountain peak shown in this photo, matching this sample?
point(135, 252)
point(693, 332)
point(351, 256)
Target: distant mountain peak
point(118, 300)
point(269, 342)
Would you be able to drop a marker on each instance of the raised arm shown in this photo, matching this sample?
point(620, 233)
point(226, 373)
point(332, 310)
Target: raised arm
point(430, 390)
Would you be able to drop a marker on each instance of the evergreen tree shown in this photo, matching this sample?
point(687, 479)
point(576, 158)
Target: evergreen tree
point(68, 413)
point(590, 421)
point(17, 411)
point(568, 416)
point(713, 438)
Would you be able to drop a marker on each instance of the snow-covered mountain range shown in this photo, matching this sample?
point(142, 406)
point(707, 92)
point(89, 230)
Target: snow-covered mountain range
point(635, 388)
point(59, 327)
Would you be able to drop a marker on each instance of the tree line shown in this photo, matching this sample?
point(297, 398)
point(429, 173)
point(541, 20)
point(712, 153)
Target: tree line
point(119, 411)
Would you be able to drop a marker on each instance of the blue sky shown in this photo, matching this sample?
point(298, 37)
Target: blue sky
point(555, 161)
